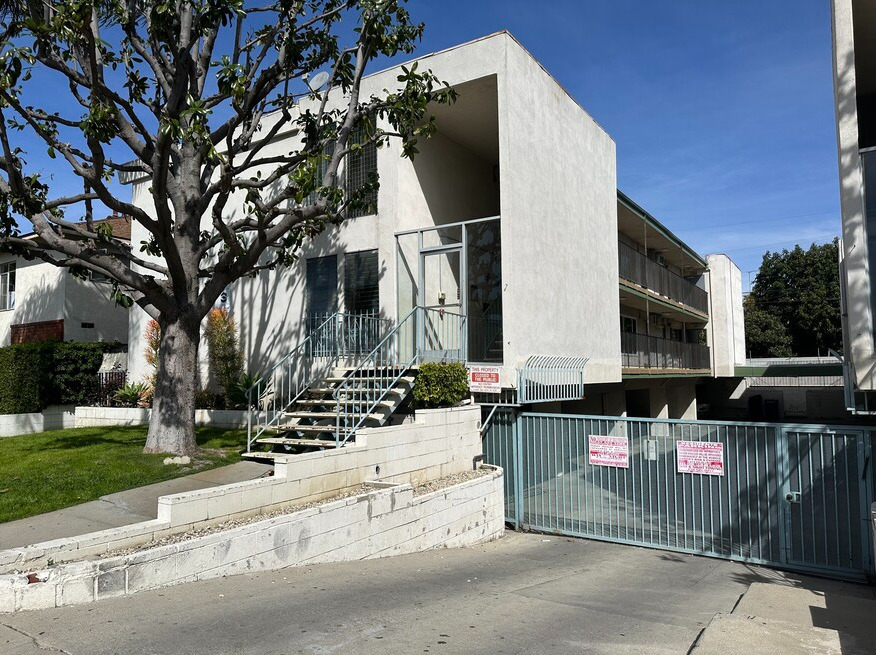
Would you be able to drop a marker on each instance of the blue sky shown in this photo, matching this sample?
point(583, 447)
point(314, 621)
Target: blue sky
point(722, 111)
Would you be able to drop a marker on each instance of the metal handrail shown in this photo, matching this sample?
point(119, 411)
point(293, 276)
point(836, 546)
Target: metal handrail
point(636, 267)
point(329, 340)
point(652, 352)
point(389, 363)
point(378, 358)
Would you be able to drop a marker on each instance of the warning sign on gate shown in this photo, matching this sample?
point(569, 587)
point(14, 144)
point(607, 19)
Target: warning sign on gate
point(609, 451)
point(700, 457)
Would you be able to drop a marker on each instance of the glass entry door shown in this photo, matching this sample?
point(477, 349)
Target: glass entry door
point(442, 329)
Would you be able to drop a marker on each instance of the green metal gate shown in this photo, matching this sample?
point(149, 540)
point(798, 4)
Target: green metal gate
point(792, 496)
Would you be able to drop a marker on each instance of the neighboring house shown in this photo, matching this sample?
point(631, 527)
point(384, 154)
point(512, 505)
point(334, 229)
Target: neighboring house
point(509, 228)
point(854, 66)
point(41, 302)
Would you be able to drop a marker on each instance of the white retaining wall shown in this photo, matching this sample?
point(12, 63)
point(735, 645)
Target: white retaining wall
point(100, 416)
point(440, 442)
point(57, 417)
point(62, 417)
point(380, 523)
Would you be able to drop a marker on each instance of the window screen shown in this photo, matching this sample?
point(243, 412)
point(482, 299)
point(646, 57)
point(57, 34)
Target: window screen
point(362, 169)
point(322, 285)
point(361, 282)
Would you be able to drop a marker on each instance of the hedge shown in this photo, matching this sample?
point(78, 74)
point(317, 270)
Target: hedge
point(36, 375)
point(24, 377)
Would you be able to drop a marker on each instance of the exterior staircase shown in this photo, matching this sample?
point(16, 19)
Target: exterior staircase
point(326, 415)
point(351, 372)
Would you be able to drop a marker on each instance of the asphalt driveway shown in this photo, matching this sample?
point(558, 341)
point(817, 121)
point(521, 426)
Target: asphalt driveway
point(525, 593)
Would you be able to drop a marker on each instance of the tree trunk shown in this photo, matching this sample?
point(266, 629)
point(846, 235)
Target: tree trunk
point(172, 426)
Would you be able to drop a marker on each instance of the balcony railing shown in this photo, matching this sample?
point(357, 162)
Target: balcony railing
point(642, 351)
point(637, 268)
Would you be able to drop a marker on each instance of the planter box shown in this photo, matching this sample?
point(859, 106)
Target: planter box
point(380, 523)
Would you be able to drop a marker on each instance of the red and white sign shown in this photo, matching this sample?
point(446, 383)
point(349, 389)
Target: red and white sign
point(701, 457)
point(484, 379)
point(609, 451)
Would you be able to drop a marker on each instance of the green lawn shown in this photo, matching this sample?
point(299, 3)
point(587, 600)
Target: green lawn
point(44, 472)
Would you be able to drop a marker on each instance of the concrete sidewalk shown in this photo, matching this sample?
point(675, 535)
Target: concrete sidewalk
point(810, 615)
point(122, 508)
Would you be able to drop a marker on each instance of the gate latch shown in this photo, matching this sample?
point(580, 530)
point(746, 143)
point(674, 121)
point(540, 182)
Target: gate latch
point(793, 497)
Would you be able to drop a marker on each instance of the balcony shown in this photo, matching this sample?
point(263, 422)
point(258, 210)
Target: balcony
point(640, 351)
point(635, 267)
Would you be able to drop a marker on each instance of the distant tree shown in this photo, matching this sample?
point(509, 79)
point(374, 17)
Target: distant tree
point(765, 335)
point(194, 96)
point(794, 303)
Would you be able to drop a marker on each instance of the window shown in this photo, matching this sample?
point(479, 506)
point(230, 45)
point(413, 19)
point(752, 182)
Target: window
point(361, 282)
point(359, 169)
point(7, 286)
point(322, 285)
point(362, 169)
point(628, 325)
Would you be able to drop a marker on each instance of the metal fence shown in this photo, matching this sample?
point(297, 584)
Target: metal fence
point(793, 496)
point(106, 383)
point(637, 268)
point(643, 351)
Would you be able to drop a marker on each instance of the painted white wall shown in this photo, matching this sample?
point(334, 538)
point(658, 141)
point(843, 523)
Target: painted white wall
point(47, 293)
point(726, 327)
point(858, 280)
point(559, 218)
point(90, 302)
point(39, 295)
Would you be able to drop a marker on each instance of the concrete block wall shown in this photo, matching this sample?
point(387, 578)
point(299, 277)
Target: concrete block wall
point(381, 523)
point(438, 443)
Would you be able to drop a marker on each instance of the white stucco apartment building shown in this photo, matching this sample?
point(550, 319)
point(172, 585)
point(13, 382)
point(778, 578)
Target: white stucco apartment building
point(39, 301)
point(509, 222)
point(854, 66)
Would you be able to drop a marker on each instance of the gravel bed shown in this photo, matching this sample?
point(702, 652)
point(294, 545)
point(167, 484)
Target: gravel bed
point(450, 480)
point(420, 489)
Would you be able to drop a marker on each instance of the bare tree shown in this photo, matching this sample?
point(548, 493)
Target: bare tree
point(189, 94)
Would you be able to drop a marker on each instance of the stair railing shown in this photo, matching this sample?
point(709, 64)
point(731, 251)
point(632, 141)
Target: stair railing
point(369, 384)
point(329, 339)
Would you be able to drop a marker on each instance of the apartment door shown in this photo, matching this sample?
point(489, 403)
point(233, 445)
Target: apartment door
point(442, 326)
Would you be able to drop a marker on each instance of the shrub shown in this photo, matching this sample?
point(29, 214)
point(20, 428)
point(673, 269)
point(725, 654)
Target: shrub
point(236, 396)
point(153, 341)
point(440, 385)
point(133, 394)
point(25, 382)
point(226, 358)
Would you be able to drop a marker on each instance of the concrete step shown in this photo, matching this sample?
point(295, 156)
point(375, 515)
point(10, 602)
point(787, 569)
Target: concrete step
point(331, 402)
point(265, 456)
point(284, 441)
point(329, 415)
point(407, 379)
point(355, 391)
point(284, 429)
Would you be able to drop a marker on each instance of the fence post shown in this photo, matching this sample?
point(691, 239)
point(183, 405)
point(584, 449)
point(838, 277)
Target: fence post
point(517, 429)
point(783, 470)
